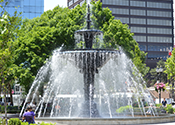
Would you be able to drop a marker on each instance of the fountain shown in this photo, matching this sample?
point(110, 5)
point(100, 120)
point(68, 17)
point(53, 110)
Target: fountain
point(89, 83)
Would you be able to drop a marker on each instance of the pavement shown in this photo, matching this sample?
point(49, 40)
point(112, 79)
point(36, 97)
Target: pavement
point(17, 116)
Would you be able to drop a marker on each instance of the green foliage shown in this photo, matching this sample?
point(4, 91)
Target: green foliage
point(169, 109)
point(169, 66)
point(14, 121)
point(158, 105)
point(123, 109)
point(10, 109)
point(42, 123)
point(40, 36)
point(117, 34)
point(154, 75)
point(2, 121)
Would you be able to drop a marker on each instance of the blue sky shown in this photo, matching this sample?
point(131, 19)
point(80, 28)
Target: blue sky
point(50, 4)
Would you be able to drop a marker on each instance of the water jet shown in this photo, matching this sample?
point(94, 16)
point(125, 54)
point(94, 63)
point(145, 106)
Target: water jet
point(90, 83)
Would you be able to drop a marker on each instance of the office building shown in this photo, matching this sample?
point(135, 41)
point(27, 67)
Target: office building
point(150, 20)
point(29, 8)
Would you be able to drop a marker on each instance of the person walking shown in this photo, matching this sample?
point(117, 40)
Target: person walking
point(29, 116)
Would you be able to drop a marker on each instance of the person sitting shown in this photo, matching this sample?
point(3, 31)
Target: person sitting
point(29, 116)
point(164, 103)
point(150, 110)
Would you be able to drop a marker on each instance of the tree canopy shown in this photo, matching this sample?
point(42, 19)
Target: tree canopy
point(169, 66)
point(38, 37)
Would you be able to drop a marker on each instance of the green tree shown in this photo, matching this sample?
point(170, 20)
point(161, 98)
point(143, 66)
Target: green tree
point(9, 27)
point(154, 75)
point(41, 35)
point(117, 34)
point(170, 70)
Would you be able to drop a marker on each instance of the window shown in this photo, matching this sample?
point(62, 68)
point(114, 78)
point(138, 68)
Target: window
point(160, 39)
point(123, 19)
point(138, 3)
point(159, 5)
point(26, 2)
point(159, 47)
point(140, 38)
point(163, 56)
point(26, 9)
point(160, 30)
point(138, 29)
point(70, 2)
point(32, 2)
point(26, 15)
point(81, 3)
point(158, 13)
point(32, 9)
point(17, 88)
point(17, 3)
point(116, 2)
point(119, 11)
point(142, 47)
point(138, 21)
point(75, 1)
point(39, 3)
point(32, 15)
point(159, 22)
point(138, 12)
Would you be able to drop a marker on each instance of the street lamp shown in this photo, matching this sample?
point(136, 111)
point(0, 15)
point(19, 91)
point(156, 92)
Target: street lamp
point(159, 71)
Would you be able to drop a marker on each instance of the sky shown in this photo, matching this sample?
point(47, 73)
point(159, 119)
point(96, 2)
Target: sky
point(50, 4)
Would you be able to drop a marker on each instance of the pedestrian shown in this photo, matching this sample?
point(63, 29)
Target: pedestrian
point(164, 103)
point(33, 106)
point(57, 108)
point(29, 116)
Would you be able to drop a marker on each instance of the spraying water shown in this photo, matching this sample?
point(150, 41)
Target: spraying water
point(89, 82)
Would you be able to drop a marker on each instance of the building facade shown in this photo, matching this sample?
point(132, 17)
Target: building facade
point(151, 21)
point(29, 8)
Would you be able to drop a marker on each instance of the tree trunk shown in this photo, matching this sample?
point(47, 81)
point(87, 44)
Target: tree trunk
point(10, 90)
point(173, 90)
point(5, 101)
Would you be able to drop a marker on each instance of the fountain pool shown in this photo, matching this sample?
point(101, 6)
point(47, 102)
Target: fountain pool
point(90, 84)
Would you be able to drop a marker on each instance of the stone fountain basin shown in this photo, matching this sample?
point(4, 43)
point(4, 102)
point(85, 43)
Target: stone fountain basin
point(96, 57)
point(109, 121)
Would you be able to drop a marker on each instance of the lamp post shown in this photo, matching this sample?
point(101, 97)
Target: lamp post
point(159, 71)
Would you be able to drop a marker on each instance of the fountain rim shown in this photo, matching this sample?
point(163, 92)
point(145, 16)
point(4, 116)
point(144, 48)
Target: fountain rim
point(106, 121)
point(91, 51)
point(88, 30)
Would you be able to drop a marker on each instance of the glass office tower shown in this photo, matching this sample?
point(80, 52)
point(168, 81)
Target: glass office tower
point(150, 20)
point(29, 8)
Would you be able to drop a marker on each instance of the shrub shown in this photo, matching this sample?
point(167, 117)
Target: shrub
point(123, 109)
point(14, 121)
point(169, 109)
point(10, 109)
point(46, 123)
point(2, 122)
point(158, 105)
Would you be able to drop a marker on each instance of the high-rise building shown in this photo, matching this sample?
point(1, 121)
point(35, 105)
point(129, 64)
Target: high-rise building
point(150, 20)
point(29, 8)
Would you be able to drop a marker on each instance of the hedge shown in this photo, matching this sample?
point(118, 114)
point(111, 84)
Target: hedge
point(16, 121)
point(10, 109)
